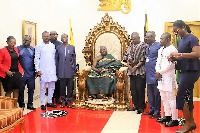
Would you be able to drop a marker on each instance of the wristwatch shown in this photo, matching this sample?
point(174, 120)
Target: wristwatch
point(136, 66)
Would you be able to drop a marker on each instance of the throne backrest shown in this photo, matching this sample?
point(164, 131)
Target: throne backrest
point(109, 34)
point(112, 43)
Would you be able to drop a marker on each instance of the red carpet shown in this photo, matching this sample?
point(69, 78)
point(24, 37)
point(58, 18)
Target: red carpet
point(148, 125)
point(86, 121)
point(77, 121)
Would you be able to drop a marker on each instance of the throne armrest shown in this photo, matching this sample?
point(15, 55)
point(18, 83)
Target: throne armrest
point(88, 68)
point(123, 68)
point(7, 102)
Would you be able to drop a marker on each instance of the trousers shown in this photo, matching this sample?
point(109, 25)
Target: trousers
point(66, 82)
point(137, 85)
point(154, 98)
point(51, 87)
point(169, 103)
point(30, 82)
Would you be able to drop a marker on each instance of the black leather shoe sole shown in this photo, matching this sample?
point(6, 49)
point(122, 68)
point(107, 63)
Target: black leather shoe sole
point(133, 109)
point(43, 107)
point(51, 105)
point(172, 123)
point(31, 108)
point(148, 113)
point(140, 111)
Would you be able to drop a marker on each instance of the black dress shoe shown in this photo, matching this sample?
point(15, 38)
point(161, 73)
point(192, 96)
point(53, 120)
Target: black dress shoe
point(154, 116)
point(140, 111)
point(43, 107)
point(164, 119)
point(133, 109)
point(172, 123)
point(51, 105)
point(31, 108)
point(58, 101)
point(149, 113)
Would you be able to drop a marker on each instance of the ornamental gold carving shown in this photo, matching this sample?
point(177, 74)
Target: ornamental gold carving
point(115, 5)
point(107, 25)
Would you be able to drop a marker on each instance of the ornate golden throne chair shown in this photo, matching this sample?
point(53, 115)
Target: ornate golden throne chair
point(110, 34)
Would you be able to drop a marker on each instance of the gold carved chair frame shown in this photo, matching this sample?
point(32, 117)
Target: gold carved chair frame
point(122, 94)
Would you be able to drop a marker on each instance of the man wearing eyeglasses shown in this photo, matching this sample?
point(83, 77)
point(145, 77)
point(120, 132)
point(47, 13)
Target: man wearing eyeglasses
point(154, 99)
point(56, 94)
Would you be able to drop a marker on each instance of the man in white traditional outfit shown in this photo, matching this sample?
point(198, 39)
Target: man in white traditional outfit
point(46, 69)
point(165, 72)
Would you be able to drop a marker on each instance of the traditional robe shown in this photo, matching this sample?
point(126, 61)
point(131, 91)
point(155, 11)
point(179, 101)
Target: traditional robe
point(103, 83)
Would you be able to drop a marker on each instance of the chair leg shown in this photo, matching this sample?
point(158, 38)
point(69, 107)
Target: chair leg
point(117, 93)
point(21, 126)
point(84, 95)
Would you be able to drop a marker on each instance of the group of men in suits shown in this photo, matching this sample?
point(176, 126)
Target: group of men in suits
point(54, 63)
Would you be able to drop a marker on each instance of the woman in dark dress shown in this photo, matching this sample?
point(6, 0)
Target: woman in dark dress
point(10, 69)
point(188, 62)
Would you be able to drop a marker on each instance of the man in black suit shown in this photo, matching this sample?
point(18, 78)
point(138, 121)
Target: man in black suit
point(56, 94)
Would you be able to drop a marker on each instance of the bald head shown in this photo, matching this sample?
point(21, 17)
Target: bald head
point(64, 38)
point(150, 37)
point(53, 35)
point(152, 33)
point(103, 50)
point(26, 41)
point(167, 35)
point(165, 39)
point(135, 38)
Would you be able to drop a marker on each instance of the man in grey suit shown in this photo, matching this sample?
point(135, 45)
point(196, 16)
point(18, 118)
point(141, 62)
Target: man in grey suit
point(65, 66)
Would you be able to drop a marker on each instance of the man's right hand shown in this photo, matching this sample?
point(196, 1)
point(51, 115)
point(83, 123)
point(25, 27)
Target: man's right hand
point(39, 73)
point(158, 76)
point(9, 73)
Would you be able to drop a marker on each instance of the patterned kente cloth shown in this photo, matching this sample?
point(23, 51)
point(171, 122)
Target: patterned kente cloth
point(103, 83)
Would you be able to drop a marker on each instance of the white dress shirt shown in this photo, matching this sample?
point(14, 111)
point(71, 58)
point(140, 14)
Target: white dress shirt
point(45, 61)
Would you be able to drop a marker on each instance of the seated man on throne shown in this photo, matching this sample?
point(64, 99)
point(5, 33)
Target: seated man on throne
point(101, 81)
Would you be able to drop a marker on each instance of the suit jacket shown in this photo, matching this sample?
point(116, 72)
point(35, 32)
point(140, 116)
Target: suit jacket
point(65, 61)
point(5, 61)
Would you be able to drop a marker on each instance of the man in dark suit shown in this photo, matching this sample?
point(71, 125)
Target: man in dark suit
point(65, 66)
point(56, 94)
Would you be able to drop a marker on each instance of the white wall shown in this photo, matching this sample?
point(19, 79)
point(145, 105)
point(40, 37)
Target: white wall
point(55, 14)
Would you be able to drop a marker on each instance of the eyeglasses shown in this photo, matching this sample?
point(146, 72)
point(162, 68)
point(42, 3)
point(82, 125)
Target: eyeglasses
point(54, 34)
point(176, 32)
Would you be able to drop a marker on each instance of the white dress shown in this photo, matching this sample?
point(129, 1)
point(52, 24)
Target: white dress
point(166, 69)
point(45, 61)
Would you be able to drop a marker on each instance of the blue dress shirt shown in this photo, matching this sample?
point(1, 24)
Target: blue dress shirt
point(151, 58)
point(26, 58)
